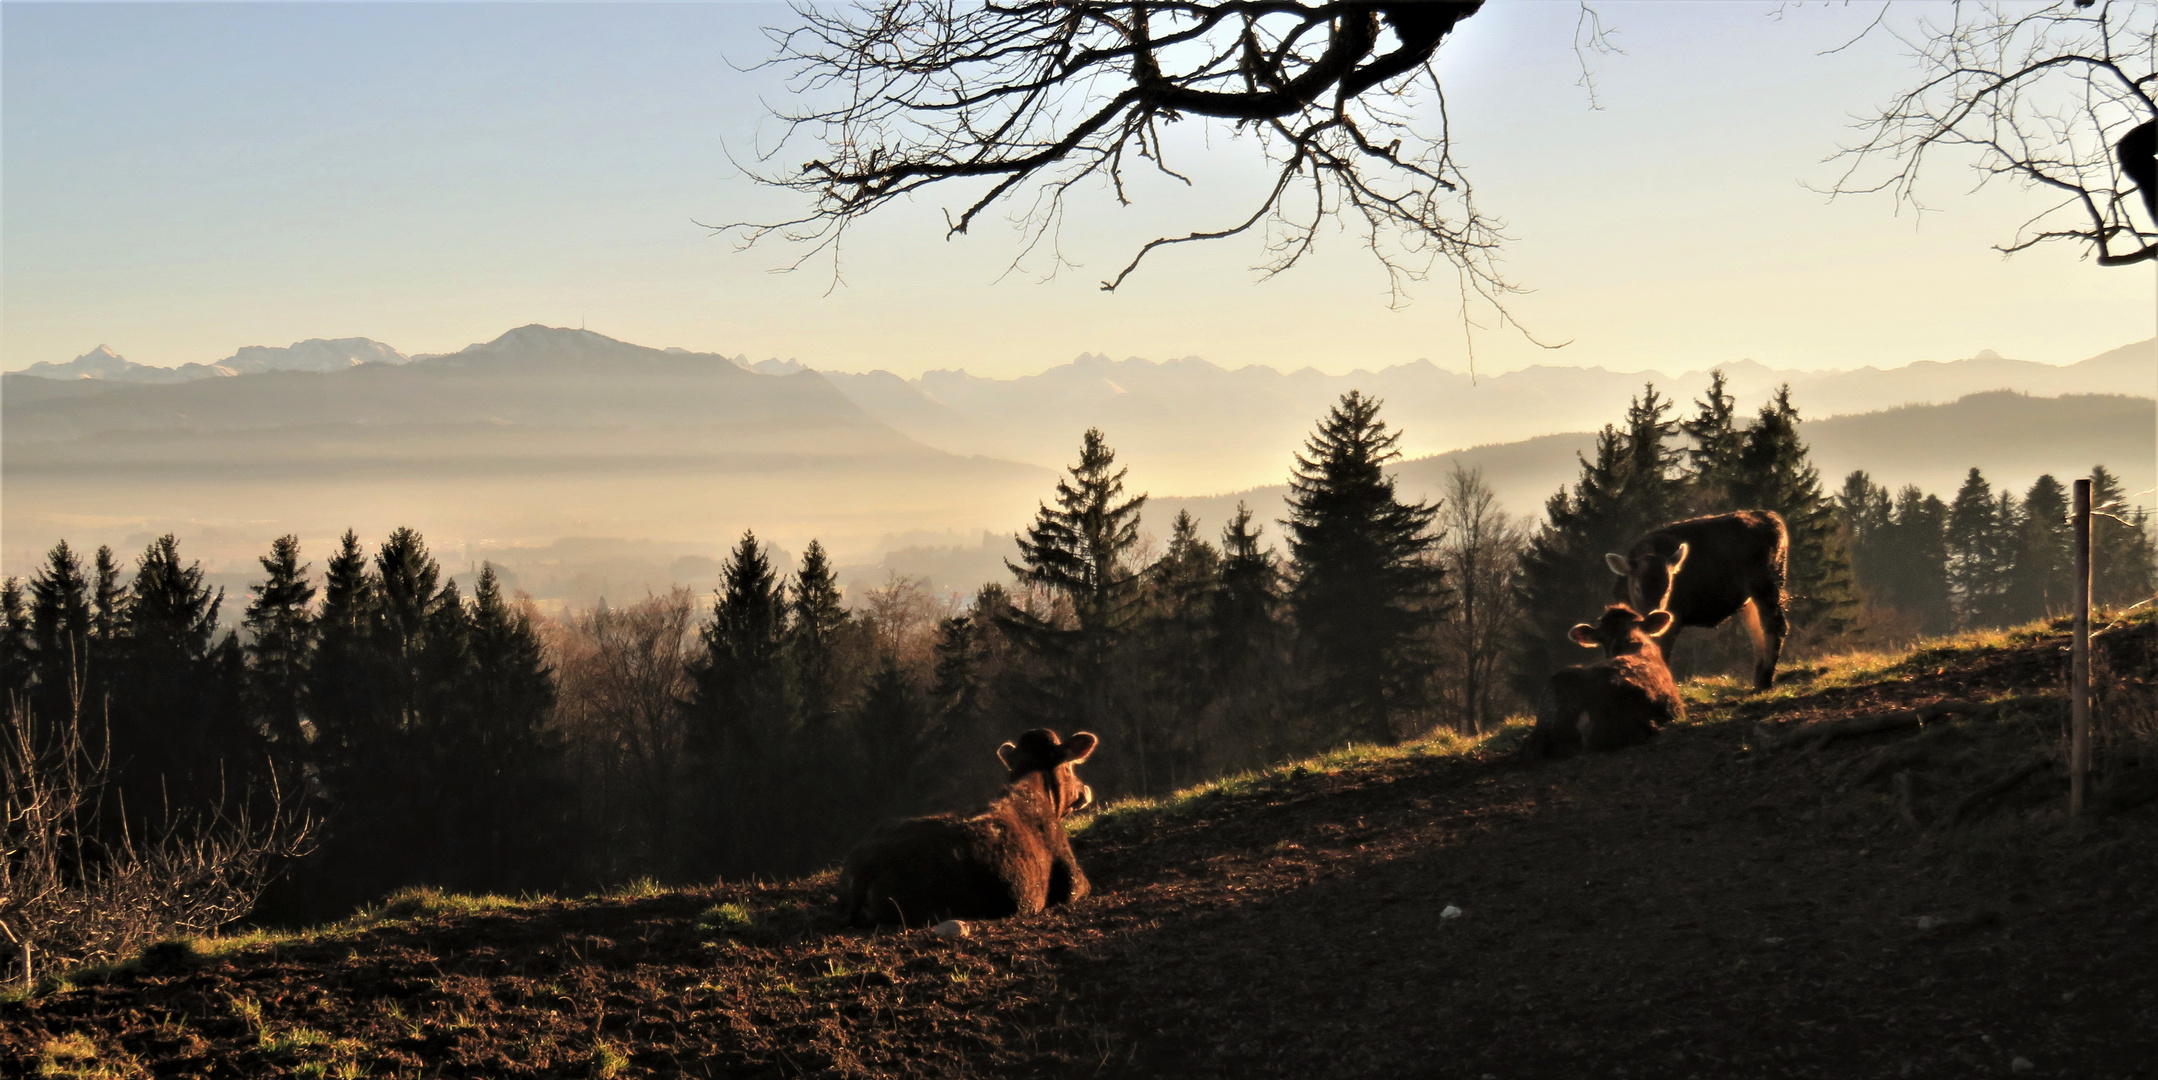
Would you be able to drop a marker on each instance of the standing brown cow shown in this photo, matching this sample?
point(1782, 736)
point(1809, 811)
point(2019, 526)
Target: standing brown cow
point(1619, 701)
point(1704, 570)
point(1013, 858)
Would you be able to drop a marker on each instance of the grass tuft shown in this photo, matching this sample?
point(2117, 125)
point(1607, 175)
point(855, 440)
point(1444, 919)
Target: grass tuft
point(607, 1061)
point(76, 1057)
point(724, 919)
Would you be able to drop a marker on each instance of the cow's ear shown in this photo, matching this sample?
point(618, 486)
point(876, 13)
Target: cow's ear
point(1679, 557)
point(1006, 753)
point(1656, 622)
point(1584, 635)
point(1618, 564)
point(1080, 746)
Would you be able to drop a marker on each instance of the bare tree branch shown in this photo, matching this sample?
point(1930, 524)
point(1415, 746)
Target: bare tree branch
point(2057, 96)
point(1341, 100)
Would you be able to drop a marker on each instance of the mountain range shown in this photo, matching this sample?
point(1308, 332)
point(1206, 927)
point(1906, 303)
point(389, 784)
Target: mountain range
point(509, 449)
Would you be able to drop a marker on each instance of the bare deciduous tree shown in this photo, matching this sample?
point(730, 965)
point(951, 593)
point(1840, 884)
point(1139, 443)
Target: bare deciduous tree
point(1341, 100)
point(1481, 548)
point(623, 675)
point(2056, 97)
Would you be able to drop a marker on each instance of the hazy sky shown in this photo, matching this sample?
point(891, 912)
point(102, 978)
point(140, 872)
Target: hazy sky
point(179, 180)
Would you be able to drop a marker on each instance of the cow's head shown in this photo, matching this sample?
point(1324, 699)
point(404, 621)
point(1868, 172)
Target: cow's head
point(1648, 578)
point(1621, 630)
point(1041, 751)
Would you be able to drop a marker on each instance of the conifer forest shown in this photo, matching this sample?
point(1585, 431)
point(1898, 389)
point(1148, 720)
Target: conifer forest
point(378, 726)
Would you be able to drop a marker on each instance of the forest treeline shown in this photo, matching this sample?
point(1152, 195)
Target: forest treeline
point(470, 742)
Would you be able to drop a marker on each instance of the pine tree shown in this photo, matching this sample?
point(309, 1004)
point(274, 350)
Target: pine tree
point(346, 678)
point(740, 680)
point(1773, 473)
point(60, 617)
point(108, 603)
point(1174, 650)
point(1713, 460)
point(1976, 551)
point(509, 759)
point(1562, 571)
point(1247, 631)
point(1369, 588)
point(1916, 573)
point(1079, 551)
point(281, 635)
point(1649, 465)
point(1865, 509)
point(2122, 572)
point(178, 728)
point(892, 727)
point(2042, 584)
point(818, 619)
point(15, 648)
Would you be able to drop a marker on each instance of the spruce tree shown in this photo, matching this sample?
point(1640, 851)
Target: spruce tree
point(60, 617)
point(1649, 466)
point(281, 636)
point(1175, 647)
point(1773, 473)
point(891, 726)
point(1369, 588)
point(1563, 577)
point(1977, 549)
point(108, 603)
point(1247, 607)
point(178, 728)
point(740, 688)
point(510, 758)
point(1712, 462)
point(2043, 582)
point(345, 679)
point(1865, 509)
point(818, 619)
point(741, 726)
point(15, 648)
point(1917, 560)
point(1079, 551)
point(2121, 548)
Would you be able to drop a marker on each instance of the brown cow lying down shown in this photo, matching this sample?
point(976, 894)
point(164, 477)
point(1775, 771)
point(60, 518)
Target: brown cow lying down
point(1615, 702)
point(1011, 859)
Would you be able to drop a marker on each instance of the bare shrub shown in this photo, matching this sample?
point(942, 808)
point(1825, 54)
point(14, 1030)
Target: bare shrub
point(75, 892)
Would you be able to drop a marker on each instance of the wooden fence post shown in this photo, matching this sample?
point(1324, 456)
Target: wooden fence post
point(2079, 664)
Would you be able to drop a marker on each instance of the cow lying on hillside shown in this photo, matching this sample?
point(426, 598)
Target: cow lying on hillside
point(1615, 702)
point(1705, 570)
point(1013, 858)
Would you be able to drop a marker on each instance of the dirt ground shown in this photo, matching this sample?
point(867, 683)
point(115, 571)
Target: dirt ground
point(1700, 907)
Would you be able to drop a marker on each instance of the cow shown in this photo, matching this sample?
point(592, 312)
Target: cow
point(1013, 858)
point(1704, 570)
point(1618, 701)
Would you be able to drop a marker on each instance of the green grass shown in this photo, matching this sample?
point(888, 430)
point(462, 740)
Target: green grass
point(724, 919)
point(1439, 744)
point(607, 1061)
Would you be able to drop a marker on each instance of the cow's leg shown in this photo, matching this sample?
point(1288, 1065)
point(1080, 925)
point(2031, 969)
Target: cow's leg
point(1767, 627)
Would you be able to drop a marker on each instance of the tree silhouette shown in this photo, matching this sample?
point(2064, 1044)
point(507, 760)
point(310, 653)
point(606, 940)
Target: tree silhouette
point(2057, 98)
point(1028, 99)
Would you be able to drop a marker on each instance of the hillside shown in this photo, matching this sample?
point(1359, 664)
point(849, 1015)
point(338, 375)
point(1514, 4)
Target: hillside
point(1907, 903)
point(1193, 426)
point(2010, 437)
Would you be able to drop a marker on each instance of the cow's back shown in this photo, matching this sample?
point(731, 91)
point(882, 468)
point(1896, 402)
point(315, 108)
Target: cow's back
point(1730, 559)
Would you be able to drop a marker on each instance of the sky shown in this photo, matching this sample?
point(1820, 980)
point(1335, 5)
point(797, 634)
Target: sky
point(180, 180)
